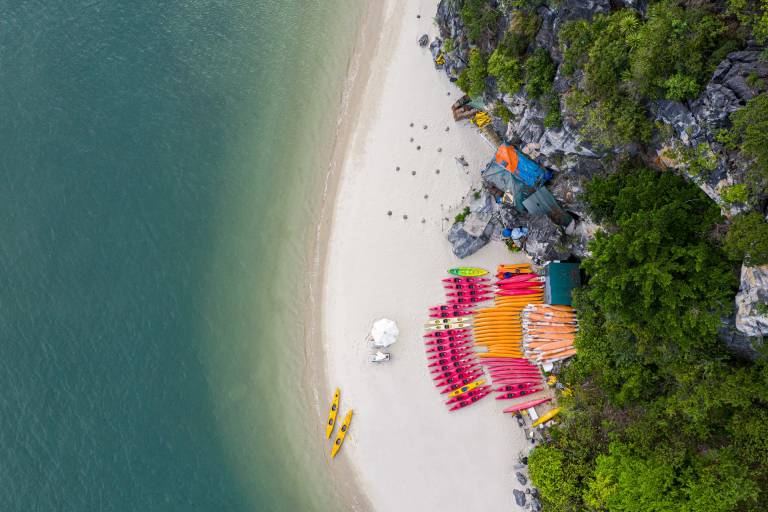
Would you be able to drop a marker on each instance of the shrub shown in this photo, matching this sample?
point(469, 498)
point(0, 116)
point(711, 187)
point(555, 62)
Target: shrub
point(472, 79)
point(461, 217)
point(747, 239)
point(735, 193)
point(479, 18)
point(507, 71)
point(501, 111)
point(750, 124)
point(540, 71)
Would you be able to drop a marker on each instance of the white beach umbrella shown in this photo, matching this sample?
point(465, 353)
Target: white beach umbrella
point(384, 332)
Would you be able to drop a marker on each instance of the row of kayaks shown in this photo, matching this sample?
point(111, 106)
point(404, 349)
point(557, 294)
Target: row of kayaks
point(549, 332)
point(343, 429)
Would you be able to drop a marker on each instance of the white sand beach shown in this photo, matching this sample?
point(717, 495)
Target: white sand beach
point(404, 447)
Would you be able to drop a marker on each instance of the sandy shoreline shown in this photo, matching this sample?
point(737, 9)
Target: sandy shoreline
point(406, 451)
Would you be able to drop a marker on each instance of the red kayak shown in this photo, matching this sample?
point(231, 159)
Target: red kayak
point(451, 314)
point(518, 394)
point(469, 401)
point(512, 382)
point(471, 392)
point(453, 352)
point(461, 379)
point(517, 387)
point(526, 405)
point(512, 364)
point(454, 387)
point(515, 371)
point(454, 366)
point(461, 280)
point(463, 358)
point(453, 339)
point(445, 378)
point(467, 293)
point(446, 333)
point(448, 346)
point(494, 360)
point(447, 307)
point(518, 278)
point(469, 300)
point(509, 273)
point(520, 286)
point(453, 372)
point(468, 287)
point(525, 291)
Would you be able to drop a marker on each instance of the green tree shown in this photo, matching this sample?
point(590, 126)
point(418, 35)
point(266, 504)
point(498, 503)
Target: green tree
point(747, 239)
point(472, 79)
point(480, 18)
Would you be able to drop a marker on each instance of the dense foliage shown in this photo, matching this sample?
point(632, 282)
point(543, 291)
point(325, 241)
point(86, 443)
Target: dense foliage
point(750, 127)
point(479, 18)
point(747, 239)
point(472, 79)
point(628, 61)
point(662, 418)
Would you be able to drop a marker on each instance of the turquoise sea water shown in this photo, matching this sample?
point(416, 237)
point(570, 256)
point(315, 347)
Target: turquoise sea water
point(161, 166)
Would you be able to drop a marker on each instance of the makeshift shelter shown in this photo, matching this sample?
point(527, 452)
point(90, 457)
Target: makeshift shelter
point(560, 280)
point(515, 190)
point(543, 202)
point(520, 166)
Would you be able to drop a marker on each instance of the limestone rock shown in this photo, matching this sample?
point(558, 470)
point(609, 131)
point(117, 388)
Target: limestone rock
point(521, 478)
point(519, 497)
point(752, 301)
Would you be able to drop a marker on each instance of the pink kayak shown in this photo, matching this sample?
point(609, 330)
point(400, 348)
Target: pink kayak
point(526, 291)
point(446, 333)
point(499, 371)
point(447, 307)
point(517, 387)
point(452, 313)
point(518, 394)
point(512, 382)
point(514, 364)
point(469, 367)
point(515, 373)
point(520, 286)
point(469, 300)
point(466, 280)
point(461, 379)
point(454, 366)
point(527, 405)
point(462, 358)
point(467, 293)
point(466, 287)
point(448, 346)
point(454, 387)
point(449, 339)
point(496, 360)
point(452, 376)
point(471, 392)
point(471, 400)
point(518, 278)
point(453, 352)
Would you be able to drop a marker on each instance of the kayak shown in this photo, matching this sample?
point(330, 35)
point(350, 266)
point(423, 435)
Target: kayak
point(447, 339)
point(463, 352)
point(459, 380)
point(471, 400)
point(518, 394)
point(449, 327)
point(460, 390)
point(519, 278)
point(448, 333)
point(466, 280)
point(332, 414)
point(516, 387)
point(449, 377)
point(449, 314)
point(468, 271)
point(460, 358)
point(470, 300)
point(546, 416)
point(449, 346)
point(473, 392)
point(527, 405)
point(342, 434)
point(459, 365)
point(450, 320)
point(523, 292)
point(468, 287)
point(524, 284)
point(467, 293)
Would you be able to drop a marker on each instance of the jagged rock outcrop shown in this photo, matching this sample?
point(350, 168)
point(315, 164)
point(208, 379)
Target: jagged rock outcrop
point(752, 301)
point(520, 497)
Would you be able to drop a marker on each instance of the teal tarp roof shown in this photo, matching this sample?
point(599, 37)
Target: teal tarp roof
point(543, 202)
point(560, 280)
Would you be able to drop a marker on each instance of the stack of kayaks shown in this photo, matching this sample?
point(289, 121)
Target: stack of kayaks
point(334, 411)
point(451, 358)
point(498, 330)
point(549, 332)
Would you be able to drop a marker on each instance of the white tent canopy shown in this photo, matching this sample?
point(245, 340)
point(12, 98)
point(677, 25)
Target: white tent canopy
point(384, 332)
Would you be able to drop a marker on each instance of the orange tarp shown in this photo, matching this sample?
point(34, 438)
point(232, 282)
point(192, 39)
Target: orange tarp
point(506, 156)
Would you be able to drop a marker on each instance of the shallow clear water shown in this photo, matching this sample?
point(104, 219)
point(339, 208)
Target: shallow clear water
point(161, 167)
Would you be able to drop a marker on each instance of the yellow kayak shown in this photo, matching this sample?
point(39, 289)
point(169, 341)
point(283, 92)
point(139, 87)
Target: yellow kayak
point(342, 434)
point(547, 416)
point(468, 387)
point(468, 271)
point(333, 413)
